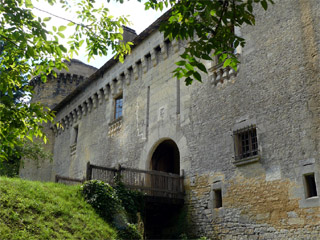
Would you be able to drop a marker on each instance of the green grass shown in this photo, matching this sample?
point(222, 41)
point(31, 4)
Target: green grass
point(36, 210)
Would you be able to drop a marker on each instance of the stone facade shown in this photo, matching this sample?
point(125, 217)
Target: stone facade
point(276, 90)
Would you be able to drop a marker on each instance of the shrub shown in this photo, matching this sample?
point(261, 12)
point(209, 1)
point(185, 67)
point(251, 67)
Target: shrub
point(130, 232)
point(103, 198)
point(132, 201)
point(114, 205)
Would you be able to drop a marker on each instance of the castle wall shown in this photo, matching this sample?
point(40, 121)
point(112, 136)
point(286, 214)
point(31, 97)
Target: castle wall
point(276, 90)
point(50, 94)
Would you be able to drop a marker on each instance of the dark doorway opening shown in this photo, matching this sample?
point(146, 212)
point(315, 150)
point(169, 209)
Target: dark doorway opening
point(166, 157)
point(161, 212)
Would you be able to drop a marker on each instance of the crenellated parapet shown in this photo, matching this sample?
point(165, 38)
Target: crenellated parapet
point(61, 77)
point(120, 78)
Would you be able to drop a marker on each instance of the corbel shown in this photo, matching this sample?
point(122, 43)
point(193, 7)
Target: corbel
point(153, 57)
point(84, 108)
point(79, 112)
point(163, 51)
point(135, 71)
point(120, 83)
point(175, 45)
point(74, 115)
point(94, 101)
point(100, 93)
point(144, 65)
point(127, 77)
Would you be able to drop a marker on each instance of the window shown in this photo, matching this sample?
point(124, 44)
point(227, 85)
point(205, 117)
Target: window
point(148, 61)
point(217, 200)
point(157, 51)
point(75, 134)
point(118, 107)
point(245, 143)
point(168, 45)
point(310, 185)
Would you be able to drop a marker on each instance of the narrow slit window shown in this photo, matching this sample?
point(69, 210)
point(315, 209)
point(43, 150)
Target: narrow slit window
point(310, 185)
point(217, 202)
point(158, 54)
point(118, 107)
point(168, 45)
point(148, 60)
point(75, 134)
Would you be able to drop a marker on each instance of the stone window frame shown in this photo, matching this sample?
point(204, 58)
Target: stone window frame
point(308, 167)
point(307, 188)
point(117, 114)
point(216, 187)
point(240, 128)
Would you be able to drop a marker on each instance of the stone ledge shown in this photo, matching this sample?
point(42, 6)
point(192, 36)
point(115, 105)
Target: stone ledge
point(73, 149)
point(115, 126)
point(247, 160)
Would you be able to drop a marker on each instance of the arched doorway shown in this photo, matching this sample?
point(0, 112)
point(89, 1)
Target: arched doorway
point(166, 157)
point(162, 214)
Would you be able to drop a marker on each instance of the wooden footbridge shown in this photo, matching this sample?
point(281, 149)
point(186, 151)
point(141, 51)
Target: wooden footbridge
point(155, 184)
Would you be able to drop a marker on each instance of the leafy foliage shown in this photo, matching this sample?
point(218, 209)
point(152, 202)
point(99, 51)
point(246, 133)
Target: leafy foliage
point(132, 201)
point(129, 233)
point(28, 48)
point(208, 27)
point(115, 205)
point(103, 198)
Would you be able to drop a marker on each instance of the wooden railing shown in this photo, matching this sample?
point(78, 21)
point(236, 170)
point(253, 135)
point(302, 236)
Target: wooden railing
point(68, 181)
point(152, 183)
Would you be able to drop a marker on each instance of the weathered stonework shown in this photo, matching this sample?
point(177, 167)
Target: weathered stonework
point(276, 89)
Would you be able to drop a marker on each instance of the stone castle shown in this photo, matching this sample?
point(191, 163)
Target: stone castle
point(248, 142)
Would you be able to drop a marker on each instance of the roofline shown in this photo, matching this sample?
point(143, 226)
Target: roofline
point(136, 41)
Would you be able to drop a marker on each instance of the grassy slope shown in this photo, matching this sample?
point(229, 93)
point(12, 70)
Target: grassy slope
point(35, 210)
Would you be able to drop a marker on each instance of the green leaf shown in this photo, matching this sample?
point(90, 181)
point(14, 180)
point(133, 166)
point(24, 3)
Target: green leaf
point(264, 4)
point(47, 19)
point(60, 34)
point(181, 63)
point(197, 76)
point(62, 28)
point(28, 4)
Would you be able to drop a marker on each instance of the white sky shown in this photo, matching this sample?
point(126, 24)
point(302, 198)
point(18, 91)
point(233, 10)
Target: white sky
point(134, 10)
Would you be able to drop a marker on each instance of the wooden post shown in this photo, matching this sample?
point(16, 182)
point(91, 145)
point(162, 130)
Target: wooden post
point(89, 171)
point(56, 178)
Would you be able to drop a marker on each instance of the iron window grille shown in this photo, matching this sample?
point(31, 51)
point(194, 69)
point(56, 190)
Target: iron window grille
point(245, 143)
point(118, 107)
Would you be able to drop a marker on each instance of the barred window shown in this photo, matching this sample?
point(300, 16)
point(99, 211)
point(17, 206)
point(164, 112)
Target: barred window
point(245, 143)
point(118, 107)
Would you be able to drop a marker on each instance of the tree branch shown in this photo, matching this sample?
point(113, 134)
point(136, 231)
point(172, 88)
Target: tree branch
point(8, 39)
point(56, 16)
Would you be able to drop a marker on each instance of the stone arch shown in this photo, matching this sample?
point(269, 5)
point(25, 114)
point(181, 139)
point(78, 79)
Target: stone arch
point(165, 157)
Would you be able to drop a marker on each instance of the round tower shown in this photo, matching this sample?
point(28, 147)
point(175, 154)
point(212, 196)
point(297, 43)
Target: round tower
point(50, 93)
point(54, 90)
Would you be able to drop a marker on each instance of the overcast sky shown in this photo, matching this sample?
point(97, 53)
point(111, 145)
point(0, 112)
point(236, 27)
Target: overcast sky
point(139, 18)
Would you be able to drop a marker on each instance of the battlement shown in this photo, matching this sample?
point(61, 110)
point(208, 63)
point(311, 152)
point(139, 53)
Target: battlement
point(55, 89)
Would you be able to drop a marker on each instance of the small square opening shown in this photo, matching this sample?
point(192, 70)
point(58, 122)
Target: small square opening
point(310, 185)
point(217, 201)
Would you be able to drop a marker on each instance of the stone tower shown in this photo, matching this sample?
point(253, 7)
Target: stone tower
point(54, 89)
point(51, 93)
